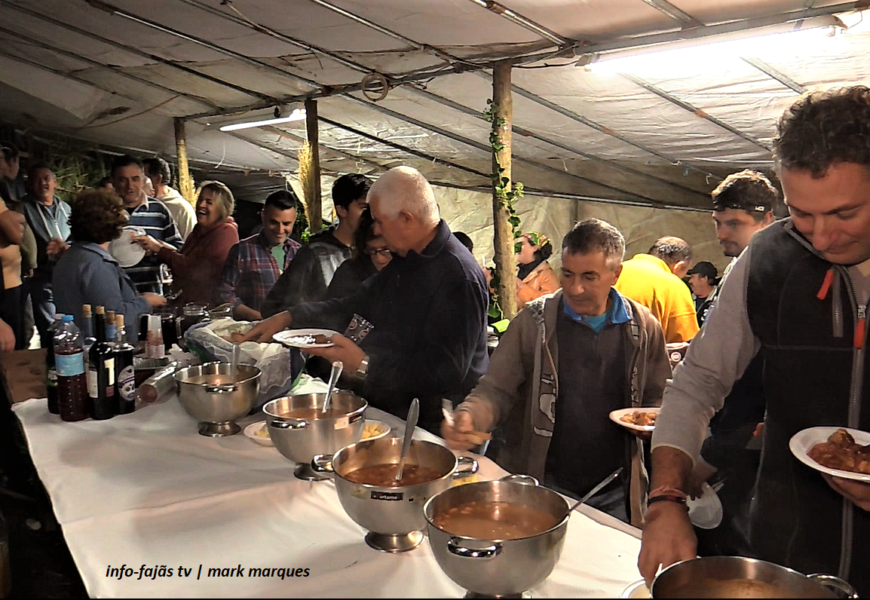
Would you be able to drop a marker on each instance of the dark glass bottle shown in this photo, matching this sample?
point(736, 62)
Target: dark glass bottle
point(72, 389)
point(51, 369)
point(101, 371)
point(125, 377)
point(110, 326)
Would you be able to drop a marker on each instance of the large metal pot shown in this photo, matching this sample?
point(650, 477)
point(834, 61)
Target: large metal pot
point(498, 567)
point(209, 394)
point(392, 515)
point(738, 577)
point(300, 440)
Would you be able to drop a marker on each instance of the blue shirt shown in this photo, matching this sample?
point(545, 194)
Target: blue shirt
point(46, 222)
point(87, 274)
point(616, 313)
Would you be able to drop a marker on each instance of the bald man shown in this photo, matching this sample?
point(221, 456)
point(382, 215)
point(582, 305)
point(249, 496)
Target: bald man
point(428, 308)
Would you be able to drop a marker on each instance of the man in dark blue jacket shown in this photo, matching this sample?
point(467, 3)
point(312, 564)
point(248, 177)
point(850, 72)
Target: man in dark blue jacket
point(428, 308)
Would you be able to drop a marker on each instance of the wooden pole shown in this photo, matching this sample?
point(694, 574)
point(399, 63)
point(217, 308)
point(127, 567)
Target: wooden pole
point(185, 181)
point(315, 210)
point(503, 241)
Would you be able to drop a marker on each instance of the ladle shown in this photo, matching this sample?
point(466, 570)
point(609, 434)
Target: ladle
point(337, 368)
point(410, 426)
point(234, 362)
point(596, 489)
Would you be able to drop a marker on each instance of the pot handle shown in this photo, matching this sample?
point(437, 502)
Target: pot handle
point(289, 424)
point(465, 467)
point(840, 587)
point(523, 479)
point(322, 463)
point(454, 547)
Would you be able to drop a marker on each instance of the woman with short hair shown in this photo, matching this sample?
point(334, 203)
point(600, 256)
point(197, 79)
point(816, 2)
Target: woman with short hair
point(87, 273)
point(198, 267)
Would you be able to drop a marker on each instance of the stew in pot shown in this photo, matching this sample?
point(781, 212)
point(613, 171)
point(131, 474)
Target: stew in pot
point(494, 521)
point(385, 475)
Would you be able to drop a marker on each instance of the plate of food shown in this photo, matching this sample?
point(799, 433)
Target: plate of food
point(305, 338)
point(638, 419)
point(836, 451)
point(259, 433)
point(373, 430)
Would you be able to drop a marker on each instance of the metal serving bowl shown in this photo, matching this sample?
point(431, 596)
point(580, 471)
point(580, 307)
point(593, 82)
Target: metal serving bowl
point(300, 440)
point(392, 515)
point(209, 394)
point(738, 577)
point(498, 567)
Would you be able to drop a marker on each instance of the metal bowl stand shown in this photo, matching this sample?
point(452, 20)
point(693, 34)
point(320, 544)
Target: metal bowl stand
point(389, 542)
point(224, 429)
point(305, 472)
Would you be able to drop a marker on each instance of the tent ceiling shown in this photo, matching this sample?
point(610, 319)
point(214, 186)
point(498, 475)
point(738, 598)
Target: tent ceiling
point(116, 74)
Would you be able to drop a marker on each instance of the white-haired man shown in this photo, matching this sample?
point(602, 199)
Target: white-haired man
point(428, 308)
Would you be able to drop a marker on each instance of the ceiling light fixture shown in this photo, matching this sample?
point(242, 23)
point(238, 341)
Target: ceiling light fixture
point(789, 38)
point(298, 114)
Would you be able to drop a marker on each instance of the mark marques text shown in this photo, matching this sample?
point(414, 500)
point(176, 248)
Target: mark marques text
point(150, 572)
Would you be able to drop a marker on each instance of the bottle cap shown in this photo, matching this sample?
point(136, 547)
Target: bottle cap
point(119, 321)
point(86, 309)
point(66, 319)
point(101, 310)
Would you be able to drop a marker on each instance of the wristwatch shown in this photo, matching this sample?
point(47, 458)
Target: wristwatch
point(363, 369)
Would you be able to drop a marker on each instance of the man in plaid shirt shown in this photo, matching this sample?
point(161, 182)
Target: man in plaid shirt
point(255, 263)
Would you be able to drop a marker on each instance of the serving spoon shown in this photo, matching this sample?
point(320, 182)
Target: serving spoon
point(410, 426)
point(595, 490)
point(337, 368)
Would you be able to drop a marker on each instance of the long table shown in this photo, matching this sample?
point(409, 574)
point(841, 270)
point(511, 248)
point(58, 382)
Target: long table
point(150, 508)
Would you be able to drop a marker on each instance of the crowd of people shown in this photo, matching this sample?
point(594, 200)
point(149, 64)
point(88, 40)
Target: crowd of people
point(738, 363)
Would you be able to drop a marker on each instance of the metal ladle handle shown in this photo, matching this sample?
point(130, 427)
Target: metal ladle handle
point(337, 368)
point(410, 426)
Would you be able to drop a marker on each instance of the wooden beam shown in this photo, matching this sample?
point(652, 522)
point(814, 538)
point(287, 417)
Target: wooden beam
point(185, 182)
point(503, 241)
point(315, 204)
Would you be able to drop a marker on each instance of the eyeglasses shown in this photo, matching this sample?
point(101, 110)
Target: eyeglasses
point(385, 252)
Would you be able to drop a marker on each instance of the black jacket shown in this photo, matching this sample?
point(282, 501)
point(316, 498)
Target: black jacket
point(428, 310)
point(309, 274)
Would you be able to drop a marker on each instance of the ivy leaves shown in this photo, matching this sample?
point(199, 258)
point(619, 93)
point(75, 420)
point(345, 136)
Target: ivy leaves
point(500, 183)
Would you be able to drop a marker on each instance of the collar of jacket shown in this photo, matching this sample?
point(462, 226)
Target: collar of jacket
point(433, 249)
point(98, 250)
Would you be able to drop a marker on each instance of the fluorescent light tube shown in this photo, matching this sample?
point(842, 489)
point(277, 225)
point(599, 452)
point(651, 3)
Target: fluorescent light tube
point(298, 114)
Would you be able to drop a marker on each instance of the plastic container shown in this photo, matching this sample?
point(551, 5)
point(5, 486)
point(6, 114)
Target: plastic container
point(69, 360)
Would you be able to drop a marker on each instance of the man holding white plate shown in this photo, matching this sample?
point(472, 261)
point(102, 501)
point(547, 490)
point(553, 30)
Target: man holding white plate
point(428, 308)
point(798, 296)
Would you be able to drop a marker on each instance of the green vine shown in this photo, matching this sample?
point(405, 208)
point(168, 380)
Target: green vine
point(507, 197)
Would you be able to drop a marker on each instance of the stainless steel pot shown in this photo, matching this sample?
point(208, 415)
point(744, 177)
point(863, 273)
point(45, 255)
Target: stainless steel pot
point(300, 440)
point(210, 395)
point(498, 567)
point(392, 515)
point(738, 577)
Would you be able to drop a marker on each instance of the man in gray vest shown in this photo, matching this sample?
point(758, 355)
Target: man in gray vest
point(798, 296)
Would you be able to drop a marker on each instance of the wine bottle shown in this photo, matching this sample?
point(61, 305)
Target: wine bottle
point(101, 371)
point(110, 326)
point(125, 377)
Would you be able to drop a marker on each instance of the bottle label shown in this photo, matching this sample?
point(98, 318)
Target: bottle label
point(93, 388)
point(127, 384)
point(110, 367)
point(51, 377)
point(69, 365)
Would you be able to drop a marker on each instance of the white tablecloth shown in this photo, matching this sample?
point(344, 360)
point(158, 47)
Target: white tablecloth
point(145, 491)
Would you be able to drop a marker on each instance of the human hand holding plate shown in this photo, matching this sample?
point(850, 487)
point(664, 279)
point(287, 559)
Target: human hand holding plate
point(342, 349)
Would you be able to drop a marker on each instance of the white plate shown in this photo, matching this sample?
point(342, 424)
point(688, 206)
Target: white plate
point(286, 337)
point(383, 428)
point(636, 589)
point(706, 511)
point(615, 416)
point(252, 429)
point(803, 441)
point(126, 252)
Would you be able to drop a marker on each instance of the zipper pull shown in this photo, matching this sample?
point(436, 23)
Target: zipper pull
point(826, 285)
point(859, 327)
